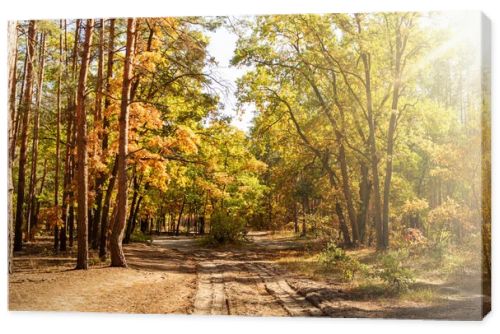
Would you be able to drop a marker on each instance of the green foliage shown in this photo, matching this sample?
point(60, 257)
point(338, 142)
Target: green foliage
point(138, 236)
point(392, 271)
point(225, 228)
point(334, 258)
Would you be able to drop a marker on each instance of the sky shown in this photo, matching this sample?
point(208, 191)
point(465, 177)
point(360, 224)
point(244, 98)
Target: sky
point(221, 47)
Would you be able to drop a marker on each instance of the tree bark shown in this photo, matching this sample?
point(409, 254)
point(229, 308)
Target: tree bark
point(117, 256)
point(180, 217)
point(128, 231)
point(136, 213)
point(12, 60)
point(62, 232)
point(69, 161)
point(105, 210)
point(34, 147)
point(374, 158)
point(100, 179)
point(26, 109)
point(346, 188)
point(104, 213)
point(364, 196)
point(81, 145)
point(17, 115)
point(326, 166)
point(400, 46)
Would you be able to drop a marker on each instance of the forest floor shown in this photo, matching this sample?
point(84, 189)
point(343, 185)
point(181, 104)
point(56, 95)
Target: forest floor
point(178, 275)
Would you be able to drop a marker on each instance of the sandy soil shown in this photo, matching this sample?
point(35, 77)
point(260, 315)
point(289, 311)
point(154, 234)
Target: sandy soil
point(157, 281)
point(176, 275)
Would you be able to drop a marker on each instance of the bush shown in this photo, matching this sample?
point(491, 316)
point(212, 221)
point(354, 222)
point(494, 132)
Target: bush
point(139, 236)
point(335, 258)
point(393, 273)
point(226, 228)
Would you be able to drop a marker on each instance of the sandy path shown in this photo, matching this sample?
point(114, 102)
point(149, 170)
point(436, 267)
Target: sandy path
point(158, 281)
point(176, 275)
point(246, 288)
point(239, 282)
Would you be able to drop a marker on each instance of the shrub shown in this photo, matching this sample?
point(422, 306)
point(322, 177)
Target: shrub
point(335, 258)
point(226, 228)
point(393, 273)
point(139, 236)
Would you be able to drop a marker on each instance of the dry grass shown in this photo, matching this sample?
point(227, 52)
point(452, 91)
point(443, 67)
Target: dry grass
point(457, 272)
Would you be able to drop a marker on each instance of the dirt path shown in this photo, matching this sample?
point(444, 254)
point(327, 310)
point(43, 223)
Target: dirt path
point(177, 275)
point(173, 275)
point(157, 281)
point(239, 282)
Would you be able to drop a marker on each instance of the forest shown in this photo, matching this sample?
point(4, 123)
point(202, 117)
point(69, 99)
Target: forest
point(364, 171)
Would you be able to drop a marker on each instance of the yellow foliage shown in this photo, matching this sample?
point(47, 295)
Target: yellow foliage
point(186, 139)
point(415, 206)
point(51, 216)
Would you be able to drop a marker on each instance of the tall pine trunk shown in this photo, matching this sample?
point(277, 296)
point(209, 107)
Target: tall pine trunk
point(32, 200)
point(26, 109)
point(69, 161)
point(128, 230)
point(81, 145)
point(104, 212)
point(117, 256)
point(12, 59)
point(62, 236)
point(99, 182)
point(17, 115)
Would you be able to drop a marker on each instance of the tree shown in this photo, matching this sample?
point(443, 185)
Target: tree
point(12, 49)
point(99, 182)
point(32, 201)
point(117, 256)
point(81, 145)
point(62, 236)
point(25, 110)
point(104, 214)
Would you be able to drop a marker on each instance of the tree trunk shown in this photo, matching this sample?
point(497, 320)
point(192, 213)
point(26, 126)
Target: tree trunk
point(42, 184)
point(69, 161)
point(100, 179)
point(180, 217)
point(364, 196)
point(26, 109)
point(71, 225)
point(346, 189)
point(400, 44)
point(12, 45)
point(374, 159)
point(295, 218)
point(34, 147)
point(373, 156)
point(105, 210)
point(12, 59)
point(104, 146)
point(117, 256)
point(62, 233)
point(18, 114)
point(128, 230)
point(136, 213)
point(81, 145)
point(304, 219)
point(188, 223)
point(326, 166)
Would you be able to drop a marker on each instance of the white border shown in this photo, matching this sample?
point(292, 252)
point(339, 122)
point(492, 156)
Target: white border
point(45, 322)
